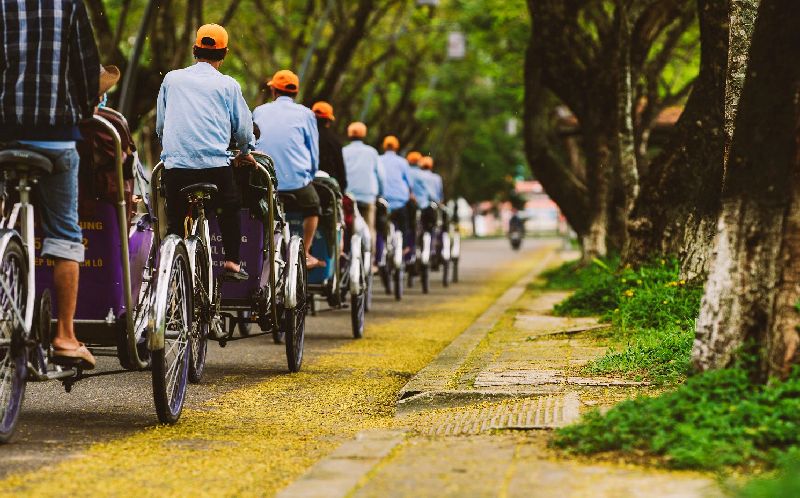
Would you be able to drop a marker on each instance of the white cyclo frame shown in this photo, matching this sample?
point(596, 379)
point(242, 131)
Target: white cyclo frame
point(355, 264)
point(26, 236)
point(290, 292)
point(426, 248)
point(446, 246)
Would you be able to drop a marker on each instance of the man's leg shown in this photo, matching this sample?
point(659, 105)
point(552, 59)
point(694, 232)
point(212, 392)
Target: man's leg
point(63, 241)
point(230, 221)
point(65, 277)
point(309, 229)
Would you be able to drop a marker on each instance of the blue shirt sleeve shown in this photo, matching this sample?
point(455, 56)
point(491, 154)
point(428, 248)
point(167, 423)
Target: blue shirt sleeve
point(380, 174)
point(161, 106)
point(312, 141)
point(241, 121)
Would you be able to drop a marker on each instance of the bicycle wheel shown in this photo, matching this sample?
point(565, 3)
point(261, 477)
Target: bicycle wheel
point(446, 273)
point(171, 362)
point(425, 279)
point(455, 270)
point(294, 319)
point(13, 367)
point(203, 308)
point(243, 323)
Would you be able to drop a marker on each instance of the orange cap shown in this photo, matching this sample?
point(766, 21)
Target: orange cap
point(211, 36)
point(413, 157)
point(426, 162)
point(285, 81)
point(323, 110)
point(357, 130)
point(391, 143)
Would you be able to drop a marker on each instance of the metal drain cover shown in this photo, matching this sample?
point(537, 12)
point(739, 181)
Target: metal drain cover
point(543, 412)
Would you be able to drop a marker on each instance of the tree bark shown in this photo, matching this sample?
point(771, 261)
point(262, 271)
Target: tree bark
point(754, 278)
point(680, 198)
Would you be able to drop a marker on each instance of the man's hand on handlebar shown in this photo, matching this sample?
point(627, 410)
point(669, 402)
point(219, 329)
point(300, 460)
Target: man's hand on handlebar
point(245, 160)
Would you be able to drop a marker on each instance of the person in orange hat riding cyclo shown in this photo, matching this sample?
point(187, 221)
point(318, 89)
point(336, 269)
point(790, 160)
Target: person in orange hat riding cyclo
point(364, 173)
point(331, 160)
point(398, 187)
point(289, 134)
point(198, 111)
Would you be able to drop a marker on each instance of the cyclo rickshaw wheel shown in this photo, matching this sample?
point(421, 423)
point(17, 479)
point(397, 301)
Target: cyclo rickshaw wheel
point(398, 283)
point(201, 321)
point(14, 271)
point(358, 309)
point(170, 364)
point(294, 319)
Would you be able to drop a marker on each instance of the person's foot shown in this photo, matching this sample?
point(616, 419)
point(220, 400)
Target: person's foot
point(312, 262)
point(234, 271)
point(72, 353)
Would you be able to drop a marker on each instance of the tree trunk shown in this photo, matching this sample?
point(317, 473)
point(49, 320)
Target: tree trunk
point(754, 276)
point(598, 173)
point(679, 202)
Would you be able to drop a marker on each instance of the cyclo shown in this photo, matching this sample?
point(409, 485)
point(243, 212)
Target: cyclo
point(275, 296)
point(421, 247)
point(437, 221)
point(137, 302)
point(340, 243)
point(389, 251)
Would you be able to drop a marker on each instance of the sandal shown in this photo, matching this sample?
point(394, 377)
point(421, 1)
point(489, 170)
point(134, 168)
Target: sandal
point(79, 357)
point(238, 276)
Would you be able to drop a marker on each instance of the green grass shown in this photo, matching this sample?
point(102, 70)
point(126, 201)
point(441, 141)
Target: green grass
point(784, 482)
point(715, 420)
point(651, 311)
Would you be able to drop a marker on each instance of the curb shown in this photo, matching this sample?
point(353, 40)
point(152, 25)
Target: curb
point(438, 374)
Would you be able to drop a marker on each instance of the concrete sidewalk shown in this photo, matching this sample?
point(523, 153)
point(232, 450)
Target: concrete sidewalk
point(476, 420)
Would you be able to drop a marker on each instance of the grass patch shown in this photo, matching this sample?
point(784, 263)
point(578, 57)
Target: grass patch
point(715, 420)
point(784, 482)
point(650, 309)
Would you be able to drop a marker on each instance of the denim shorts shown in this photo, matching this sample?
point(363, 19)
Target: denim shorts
point(57, 206)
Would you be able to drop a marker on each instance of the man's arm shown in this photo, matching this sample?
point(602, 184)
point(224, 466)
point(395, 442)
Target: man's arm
point(242, 122)
point(161, 106)
point(312, 141)
point(84, 62)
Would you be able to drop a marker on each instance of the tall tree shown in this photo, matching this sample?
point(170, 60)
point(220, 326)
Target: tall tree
point(590, 52)
point(680, 196)
point(754, 280)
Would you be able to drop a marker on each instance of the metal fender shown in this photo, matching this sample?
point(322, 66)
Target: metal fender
point(455, 250)
point(446, 246)
point(158, 311)
point(290, 289)
point(367, 263)
point(426, 248)
point(355, 264)
point(397, 242)
point(5, 237)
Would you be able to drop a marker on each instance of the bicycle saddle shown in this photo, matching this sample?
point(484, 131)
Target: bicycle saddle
point(203, 190)
point(27, 160)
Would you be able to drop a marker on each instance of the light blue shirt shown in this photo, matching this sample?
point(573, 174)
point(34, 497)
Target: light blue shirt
point(364, 172)
point(433, 183)
point(397, 185)
point(420, 187)
point(199, 109)
point(289, 135)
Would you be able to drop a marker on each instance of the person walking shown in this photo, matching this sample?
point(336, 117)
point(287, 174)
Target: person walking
point(364, 173)
point(42, 101)
point(289, 134)
point(331, 159)
point(198, 110)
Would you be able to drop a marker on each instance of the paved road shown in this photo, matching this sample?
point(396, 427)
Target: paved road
point(55, 425)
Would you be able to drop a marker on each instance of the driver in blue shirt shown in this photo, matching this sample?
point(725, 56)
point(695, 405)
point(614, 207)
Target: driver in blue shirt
point(290, 136)
point(198, 110)
point(398, 185)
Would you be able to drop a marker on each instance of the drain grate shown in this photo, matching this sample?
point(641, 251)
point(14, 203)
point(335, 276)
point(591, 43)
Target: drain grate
point(543, 412)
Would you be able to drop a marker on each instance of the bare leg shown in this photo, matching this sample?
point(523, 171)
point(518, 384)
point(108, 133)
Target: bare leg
point(309, 229)
point(65, 276)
